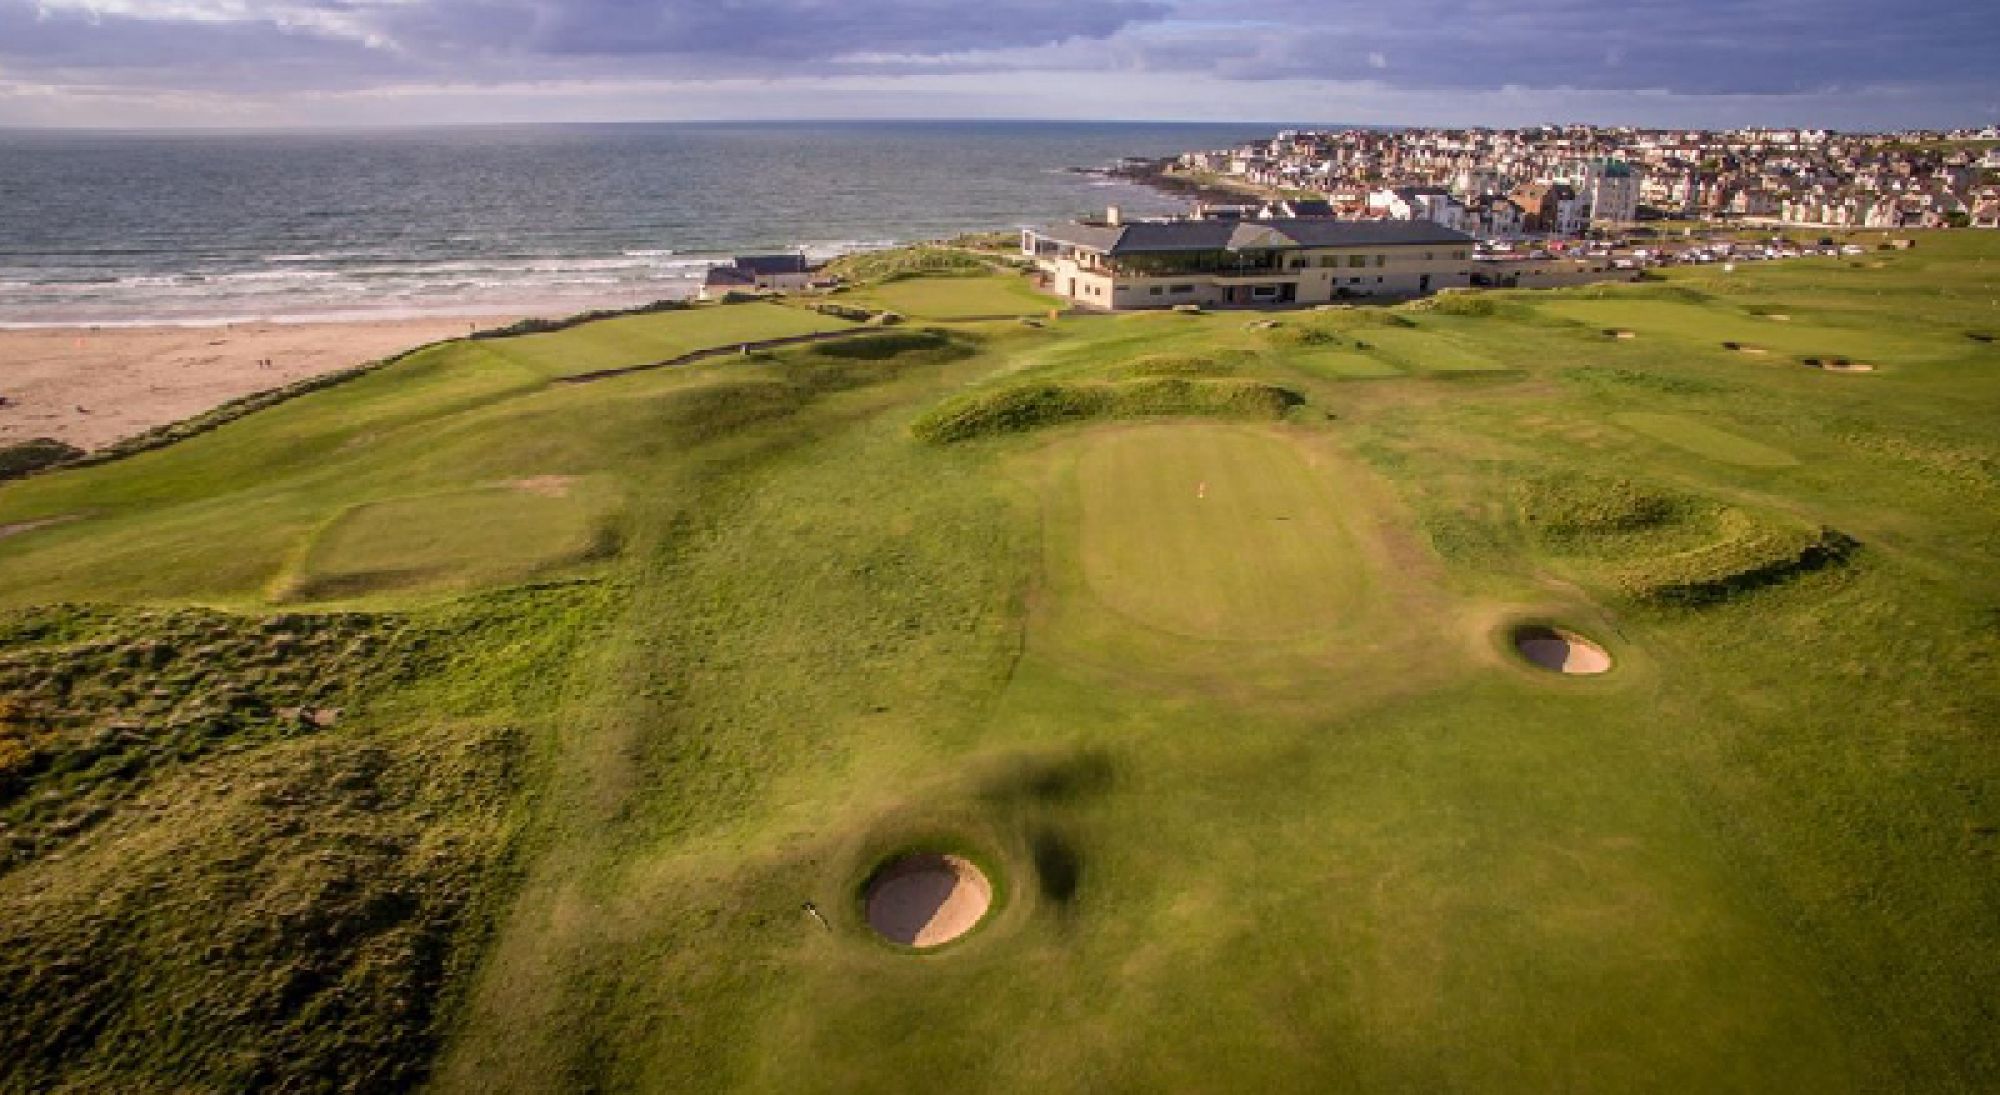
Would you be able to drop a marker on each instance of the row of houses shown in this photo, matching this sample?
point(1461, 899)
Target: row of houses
point(1498, 183)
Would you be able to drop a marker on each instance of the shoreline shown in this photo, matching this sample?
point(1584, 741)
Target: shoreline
point(91, 387)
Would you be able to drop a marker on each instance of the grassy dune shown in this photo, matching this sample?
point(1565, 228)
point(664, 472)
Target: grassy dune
point(461, 727)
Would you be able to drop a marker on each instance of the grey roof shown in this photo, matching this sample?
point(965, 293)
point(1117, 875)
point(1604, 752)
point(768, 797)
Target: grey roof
point(1279, 234)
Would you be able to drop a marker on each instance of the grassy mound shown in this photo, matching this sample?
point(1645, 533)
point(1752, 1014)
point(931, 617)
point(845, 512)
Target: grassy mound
point(1033, 406)
point(1182, 365)
point(1666, 546)
point(905, 262)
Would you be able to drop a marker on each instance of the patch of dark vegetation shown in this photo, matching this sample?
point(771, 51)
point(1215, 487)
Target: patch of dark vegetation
point(93, 702)
point(1028, 407)
point(295, 919)
point(1981, 336)
point(1599, 377)
point(539, 326)
point(27, 457)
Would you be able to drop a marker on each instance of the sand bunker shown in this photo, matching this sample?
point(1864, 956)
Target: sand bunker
point(927, 899)
point(1619, 332)
point(1778, 316)
point(1560, 651)
point(1744, 348)
point(1838, 365)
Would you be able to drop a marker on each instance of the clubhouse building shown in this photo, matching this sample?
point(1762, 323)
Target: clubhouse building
point(1116, 264)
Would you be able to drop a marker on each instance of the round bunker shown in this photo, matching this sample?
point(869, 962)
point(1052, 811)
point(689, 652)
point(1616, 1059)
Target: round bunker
point(1560, 651)
point(926, 899)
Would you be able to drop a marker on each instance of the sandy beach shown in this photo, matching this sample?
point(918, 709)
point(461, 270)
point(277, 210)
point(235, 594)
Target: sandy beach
point(91, 387)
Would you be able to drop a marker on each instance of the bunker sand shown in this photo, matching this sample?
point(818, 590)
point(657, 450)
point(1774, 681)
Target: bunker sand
point(927, 900)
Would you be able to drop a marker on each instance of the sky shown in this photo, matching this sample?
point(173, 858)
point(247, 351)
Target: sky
point(1844, 64)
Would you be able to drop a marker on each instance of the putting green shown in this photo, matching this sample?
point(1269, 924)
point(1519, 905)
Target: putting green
point(1214, 532)
point(463, 538)
point(1705, 440)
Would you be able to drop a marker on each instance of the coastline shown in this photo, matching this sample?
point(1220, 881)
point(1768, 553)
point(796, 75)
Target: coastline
point(90, 387)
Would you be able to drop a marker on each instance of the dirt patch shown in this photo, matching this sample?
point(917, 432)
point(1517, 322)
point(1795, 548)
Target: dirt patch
point(1778, 316)
point(1620, 332)
point(1561, 651)
point(1837, 365)
point(19, 527)
point(1745, 348)
point(928, 899)
point(548, 486)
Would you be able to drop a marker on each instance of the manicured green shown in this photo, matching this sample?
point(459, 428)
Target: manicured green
point(1192, 632)
point(1213, 533)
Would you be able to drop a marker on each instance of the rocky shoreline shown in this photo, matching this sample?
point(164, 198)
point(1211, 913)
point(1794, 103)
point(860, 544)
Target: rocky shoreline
point(1158, 174)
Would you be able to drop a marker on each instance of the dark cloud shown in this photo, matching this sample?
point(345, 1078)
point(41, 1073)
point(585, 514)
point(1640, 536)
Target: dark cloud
point(1757, 47)
point(1710, 47)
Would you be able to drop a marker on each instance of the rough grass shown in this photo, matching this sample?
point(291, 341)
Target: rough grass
point(908, 262)
point(1027, 407)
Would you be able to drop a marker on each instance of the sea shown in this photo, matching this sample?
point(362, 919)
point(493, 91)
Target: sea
point(199, 228)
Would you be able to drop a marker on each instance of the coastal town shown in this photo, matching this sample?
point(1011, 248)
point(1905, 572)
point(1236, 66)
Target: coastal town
point(1569, 181)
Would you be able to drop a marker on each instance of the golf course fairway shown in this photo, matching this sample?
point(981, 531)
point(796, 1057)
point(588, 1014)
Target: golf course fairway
point(1086, 703)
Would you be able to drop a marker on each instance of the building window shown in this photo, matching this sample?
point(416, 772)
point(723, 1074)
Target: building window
point(1381, 260)
point(1357, 260)
point(1378, 280)
point(1181, 289)
point(1155, 291)
point(1329, 260)
point(1300, 264)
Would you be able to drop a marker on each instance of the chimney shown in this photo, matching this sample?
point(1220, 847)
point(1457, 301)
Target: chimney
point(1114, 216)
